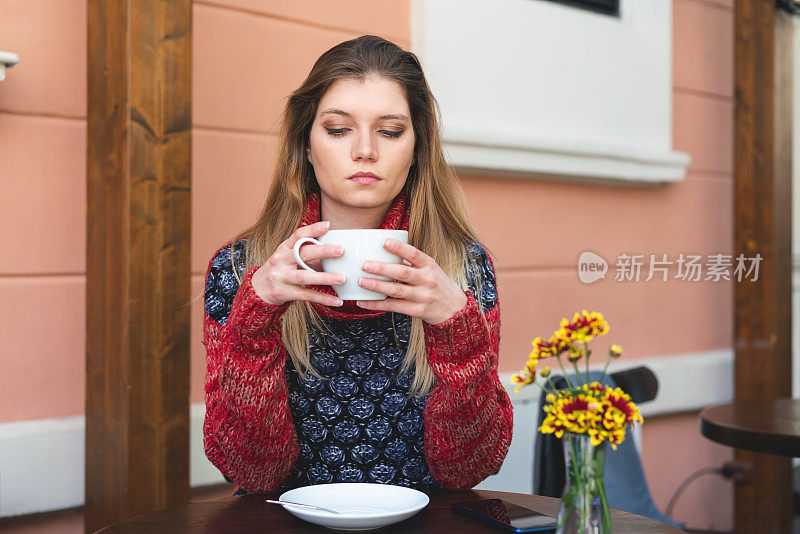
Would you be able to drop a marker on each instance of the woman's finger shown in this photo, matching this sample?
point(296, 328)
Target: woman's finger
point(309, 253)
point(284, 256)
point(310, 295)
point(413, 255)
point(393, 305)
point(311, 230)
point(306, 278)
point(312, 252)
point(391, 289)
point(394, 271)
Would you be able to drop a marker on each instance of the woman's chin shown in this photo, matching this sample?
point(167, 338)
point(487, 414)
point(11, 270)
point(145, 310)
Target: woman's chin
point(356, 196)
point(370, 196)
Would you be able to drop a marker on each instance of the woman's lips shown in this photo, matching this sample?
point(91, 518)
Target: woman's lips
point(364, 179)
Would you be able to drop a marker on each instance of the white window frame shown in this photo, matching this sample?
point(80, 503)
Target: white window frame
point(521, 93)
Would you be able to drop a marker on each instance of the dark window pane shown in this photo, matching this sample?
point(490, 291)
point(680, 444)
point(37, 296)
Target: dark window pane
point(608, 7)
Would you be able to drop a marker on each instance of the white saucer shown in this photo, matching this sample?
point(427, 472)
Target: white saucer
point(362, 506)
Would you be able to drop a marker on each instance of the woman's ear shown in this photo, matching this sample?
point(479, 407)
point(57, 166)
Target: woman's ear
point(308, 154)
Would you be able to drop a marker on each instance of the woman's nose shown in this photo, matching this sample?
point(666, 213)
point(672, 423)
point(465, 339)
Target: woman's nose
point(365, 147)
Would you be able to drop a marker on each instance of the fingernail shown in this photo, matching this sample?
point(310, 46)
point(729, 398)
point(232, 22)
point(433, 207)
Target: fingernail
point(341, 278)
point(326, 223)
point(367, 266)
point(339, 302)
point(338, 251)
point(362, 281)
point(388, 243)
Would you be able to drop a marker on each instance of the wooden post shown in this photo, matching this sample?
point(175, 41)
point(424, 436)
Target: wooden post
point(762, 225)
point(138, 272)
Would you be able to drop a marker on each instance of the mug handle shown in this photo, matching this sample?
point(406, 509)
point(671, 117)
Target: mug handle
point(296, 251)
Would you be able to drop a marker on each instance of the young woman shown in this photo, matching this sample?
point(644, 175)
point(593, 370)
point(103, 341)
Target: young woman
point(303, 388)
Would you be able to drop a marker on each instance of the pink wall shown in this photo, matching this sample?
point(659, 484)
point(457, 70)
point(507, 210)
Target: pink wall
point(43, 209)
point(243, 70)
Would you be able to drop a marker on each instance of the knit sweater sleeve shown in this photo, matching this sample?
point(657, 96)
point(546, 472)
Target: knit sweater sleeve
point(468, 415)
point(248, 432)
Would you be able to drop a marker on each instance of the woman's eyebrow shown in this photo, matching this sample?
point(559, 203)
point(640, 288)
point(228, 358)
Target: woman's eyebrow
point(398, 116)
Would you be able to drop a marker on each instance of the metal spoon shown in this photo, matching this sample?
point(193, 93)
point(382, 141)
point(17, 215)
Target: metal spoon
point(305, 506)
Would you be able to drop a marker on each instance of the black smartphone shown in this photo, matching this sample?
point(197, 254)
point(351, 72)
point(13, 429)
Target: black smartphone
point(507, 515)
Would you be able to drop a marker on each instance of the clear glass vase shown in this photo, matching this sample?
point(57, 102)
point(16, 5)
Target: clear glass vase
point(584, 507)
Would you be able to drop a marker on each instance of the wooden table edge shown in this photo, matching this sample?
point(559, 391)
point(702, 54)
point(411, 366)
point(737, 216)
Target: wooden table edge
point(739, 438)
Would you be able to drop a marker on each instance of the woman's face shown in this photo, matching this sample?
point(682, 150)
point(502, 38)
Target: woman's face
point(362, 126)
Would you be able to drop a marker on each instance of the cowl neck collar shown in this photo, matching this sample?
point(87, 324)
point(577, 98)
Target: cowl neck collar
point(396, 218)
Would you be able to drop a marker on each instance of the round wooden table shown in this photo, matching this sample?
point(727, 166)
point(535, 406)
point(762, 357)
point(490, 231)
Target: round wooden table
point(771, 426)
point(250, 514)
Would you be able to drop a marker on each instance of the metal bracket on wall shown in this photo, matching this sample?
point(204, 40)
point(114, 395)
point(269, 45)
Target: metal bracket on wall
point(7, 60)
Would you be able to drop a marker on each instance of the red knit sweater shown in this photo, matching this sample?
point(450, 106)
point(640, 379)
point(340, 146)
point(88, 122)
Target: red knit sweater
point(248, 432)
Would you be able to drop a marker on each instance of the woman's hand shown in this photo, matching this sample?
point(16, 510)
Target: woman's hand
point(424, 291)
point(280, 279)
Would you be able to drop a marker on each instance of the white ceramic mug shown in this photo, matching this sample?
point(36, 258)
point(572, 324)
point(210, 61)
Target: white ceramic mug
point(359, 245)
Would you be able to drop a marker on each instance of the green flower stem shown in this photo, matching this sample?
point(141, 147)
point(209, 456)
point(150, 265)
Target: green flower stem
point(577, 471)
point(588, 353)
point(585, 485)
point(569, 382)
point(605, 368)
point(578, 373)
point(606, 515)
point(550, 389)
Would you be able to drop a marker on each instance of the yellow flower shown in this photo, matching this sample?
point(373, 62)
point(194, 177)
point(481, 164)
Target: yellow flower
point(600, 412)
point(575, 353)
point(545, 349)
point(523, 378)
point(583, 328)
point(569, 414)
point(564, 335)
point(516, 379)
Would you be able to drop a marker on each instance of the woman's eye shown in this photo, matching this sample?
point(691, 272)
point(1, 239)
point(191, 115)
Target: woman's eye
point(339, 132)
point(336, 132)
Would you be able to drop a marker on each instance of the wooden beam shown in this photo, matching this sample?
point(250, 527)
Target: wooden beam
point(762, 225)
point(138, 271)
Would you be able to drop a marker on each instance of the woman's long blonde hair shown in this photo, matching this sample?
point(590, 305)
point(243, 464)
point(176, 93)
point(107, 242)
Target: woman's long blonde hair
point(438, 223)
